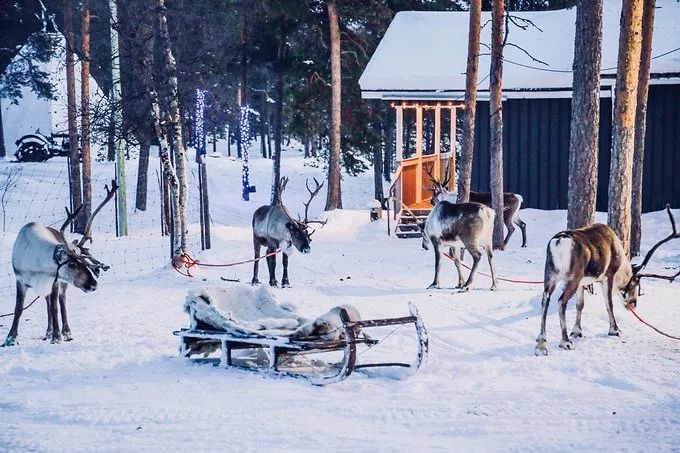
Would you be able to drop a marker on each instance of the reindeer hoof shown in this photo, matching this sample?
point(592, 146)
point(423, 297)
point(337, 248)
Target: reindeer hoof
point(614, 333)
point(566, 345)
point(67, 335)
point(494, 287)
point(255, 282)
point(575, 334)
point(47, 336)
point(56, 338)
point(464, 289)
point(433, 286)
point(540, 350)
point(10, 341)
point(274, 284)
point(285, 285)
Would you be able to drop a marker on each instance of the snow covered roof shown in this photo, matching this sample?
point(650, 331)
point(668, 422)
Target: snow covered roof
point(424, 54)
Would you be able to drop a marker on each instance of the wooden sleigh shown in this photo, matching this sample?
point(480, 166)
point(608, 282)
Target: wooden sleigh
point(281, 349)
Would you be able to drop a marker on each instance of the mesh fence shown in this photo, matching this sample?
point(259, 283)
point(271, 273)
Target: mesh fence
point(38, 192)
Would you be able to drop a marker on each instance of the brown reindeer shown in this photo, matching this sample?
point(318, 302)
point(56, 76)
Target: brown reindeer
point(584, 256)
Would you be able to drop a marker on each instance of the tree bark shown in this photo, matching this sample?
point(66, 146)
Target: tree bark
point(143, 173)
point(585, 115)
point(641, 124)
point(278, 119)
point(85, 110)
point(471, 76)
point(496, 106)
point(623, 136)
point(3, 151)
point(146, 41)
point(334, 198)
point(176, 123)
point(74, 155)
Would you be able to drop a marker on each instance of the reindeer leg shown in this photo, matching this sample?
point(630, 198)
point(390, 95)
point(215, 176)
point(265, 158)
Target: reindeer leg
point(11, 339)
point(54, 310)
point(476, 258)
point(256, 265)
point(271, 264)
point(576, 331)
point(284, 280)
point(456, 261)
point(569, 290)
point(541, 343)
point(492, 266)
point(609, 303)
point(65, 329)
point(437, 265)
point(523, 228)
point(48, 332)
point(511, 229)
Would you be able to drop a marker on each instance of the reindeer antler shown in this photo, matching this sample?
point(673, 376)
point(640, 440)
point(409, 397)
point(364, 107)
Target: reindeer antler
point(282, 183)
point(312, 194)
point(70, 216)
point(87, 235)
point(648, 256)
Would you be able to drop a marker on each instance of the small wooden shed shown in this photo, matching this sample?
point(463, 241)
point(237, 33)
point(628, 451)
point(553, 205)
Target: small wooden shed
point(419, 68)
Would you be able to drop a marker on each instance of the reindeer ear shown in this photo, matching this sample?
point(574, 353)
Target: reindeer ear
point(289, 225)
point(61, 254)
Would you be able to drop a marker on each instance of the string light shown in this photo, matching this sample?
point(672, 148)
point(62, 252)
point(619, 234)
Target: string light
point(244, 131)
point(199, 142)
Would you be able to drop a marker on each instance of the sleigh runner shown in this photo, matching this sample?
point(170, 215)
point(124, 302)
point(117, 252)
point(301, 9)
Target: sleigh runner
point(291, 351)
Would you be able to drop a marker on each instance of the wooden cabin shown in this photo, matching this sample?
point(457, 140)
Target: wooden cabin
point(419, 68)
point(419, 155)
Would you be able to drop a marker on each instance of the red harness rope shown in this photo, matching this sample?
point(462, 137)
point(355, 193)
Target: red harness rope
point(632, 310)
point(187, 261)
point(512, 280)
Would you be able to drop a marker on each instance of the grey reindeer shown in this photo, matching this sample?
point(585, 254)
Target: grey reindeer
point(44, 261)
point(274, 228)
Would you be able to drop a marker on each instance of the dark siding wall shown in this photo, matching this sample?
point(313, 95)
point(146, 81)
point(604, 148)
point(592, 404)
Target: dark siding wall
point(536, 150)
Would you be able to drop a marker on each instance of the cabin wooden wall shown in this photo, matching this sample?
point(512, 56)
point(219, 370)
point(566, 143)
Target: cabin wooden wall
point(536, 150)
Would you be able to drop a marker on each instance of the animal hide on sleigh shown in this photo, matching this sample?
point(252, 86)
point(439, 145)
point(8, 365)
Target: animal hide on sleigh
point(243, 310)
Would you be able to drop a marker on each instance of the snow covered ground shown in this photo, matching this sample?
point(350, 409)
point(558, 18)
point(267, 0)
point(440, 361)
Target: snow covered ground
point(119, 386)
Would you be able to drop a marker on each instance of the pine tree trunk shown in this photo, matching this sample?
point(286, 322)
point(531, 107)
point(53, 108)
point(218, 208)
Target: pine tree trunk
point(278, 119)
point(176, 124)
point(585, 114)
point(143, 173)
point(85, 110)
point(623, 136)
point(3, 150)
point(641, 124)
point(377, 174)
point(389, 149)
point(334, 198)
point(471, 76)
point(74, 157)
point(496, 109)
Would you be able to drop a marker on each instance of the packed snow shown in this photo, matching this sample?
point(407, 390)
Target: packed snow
point(120, 385)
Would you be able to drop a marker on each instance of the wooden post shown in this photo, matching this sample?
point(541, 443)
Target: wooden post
point(400, 133)
point(437, 140)
point(452, 159)
point(419, 154)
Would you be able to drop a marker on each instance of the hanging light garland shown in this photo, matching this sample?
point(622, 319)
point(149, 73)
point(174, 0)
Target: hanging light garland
point(199, 142)
point(244, 131)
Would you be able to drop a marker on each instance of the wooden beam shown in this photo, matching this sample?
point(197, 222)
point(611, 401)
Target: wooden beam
point(437, 140)
point(400, 133)
point(419, 154)
point(452, 161)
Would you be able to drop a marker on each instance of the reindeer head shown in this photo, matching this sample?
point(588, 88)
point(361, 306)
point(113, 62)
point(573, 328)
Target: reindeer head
point(631, 291)
point(300, 236)
point(75, 263)
point(439, 189)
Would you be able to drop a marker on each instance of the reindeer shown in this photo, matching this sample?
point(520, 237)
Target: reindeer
point(274, 228)
point(46, 262)
point(458, 226)
point(512, 202)
point(583, 256)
